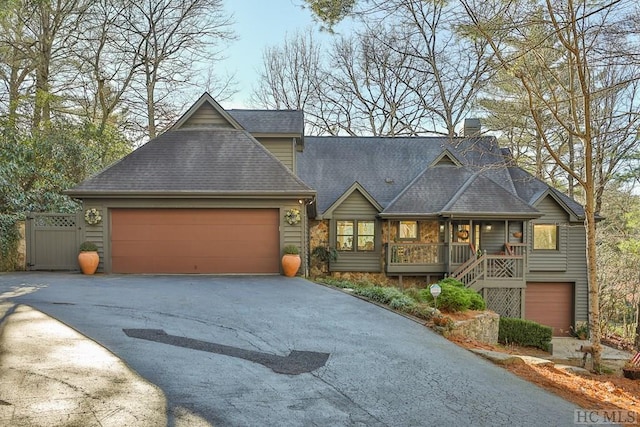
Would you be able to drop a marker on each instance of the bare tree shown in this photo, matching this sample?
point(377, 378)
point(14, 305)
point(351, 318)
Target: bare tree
point(565, 90)
point(172, 40)
point(451, 68)
point(289, 78)
point(370, 89)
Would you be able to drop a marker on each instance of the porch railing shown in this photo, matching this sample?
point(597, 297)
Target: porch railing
point(492, 269)
point(461, 253)
point(421, 258)
point(416, 257)
point(417, 253)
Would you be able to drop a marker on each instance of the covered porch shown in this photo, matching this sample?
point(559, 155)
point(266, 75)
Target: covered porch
point(480, 253)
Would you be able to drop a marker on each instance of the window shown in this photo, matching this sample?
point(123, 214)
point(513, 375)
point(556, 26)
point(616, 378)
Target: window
point(408, 230)
point(545, 237)
point(360, 232)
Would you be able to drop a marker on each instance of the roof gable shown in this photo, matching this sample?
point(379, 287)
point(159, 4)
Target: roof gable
point(206, 112)
point(558, 198)
point(446, 159)
point(533, 190)
point(355, 187)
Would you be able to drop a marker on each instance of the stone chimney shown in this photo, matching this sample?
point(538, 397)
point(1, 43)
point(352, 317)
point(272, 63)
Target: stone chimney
point(471, 128)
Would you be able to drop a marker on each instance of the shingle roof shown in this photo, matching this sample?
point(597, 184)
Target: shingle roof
point(270, 121)
point(440, 183)
point(204, 162)
point(530, 189)
point(482, 196)
point(386, 166)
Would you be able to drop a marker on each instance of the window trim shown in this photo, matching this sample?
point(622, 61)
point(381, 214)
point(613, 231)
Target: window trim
point(557, 237)
point(355, 236)
point(408, 239)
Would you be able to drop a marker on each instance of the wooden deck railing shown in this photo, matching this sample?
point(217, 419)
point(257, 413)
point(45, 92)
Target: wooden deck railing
point(421, 258)
point(492, 268)
point(416, 253)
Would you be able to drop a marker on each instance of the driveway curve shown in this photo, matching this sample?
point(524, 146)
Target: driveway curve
point(203, 341)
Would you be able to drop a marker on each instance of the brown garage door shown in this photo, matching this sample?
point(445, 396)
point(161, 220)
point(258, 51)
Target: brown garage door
point(195, 241)
point(550, 304)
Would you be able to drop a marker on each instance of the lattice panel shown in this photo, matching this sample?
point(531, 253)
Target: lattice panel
point(55, 221)
point(504, 301)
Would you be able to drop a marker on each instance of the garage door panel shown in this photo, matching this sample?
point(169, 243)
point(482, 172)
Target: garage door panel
point(550, 304)
point(194, 265)
point(195, 240)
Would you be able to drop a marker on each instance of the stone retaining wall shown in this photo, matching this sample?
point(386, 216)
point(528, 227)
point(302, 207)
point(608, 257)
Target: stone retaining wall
point(483, 327)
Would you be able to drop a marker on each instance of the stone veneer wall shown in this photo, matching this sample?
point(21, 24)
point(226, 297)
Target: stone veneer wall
point(428, 232)
point(22, 247)
point(319, 236)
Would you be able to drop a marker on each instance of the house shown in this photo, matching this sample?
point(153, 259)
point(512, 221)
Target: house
point(215, 192)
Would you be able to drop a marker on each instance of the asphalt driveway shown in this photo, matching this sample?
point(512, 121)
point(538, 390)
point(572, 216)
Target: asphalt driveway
point(245, 351)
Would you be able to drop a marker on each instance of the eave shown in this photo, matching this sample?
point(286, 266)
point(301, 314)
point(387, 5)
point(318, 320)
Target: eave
point(189, 195)
point(462, 215)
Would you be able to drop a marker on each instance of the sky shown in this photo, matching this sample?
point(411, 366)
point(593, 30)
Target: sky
point(260, 24)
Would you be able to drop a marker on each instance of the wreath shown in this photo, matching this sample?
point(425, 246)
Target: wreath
point(292, 216)
point(92, 216)
point(463, 234)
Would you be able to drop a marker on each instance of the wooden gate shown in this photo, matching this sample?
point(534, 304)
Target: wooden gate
point(53, 240)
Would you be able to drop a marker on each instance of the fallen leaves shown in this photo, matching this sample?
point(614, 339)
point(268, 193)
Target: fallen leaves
point(594, 392)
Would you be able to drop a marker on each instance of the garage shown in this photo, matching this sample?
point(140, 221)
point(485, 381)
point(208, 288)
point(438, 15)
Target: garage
point(219, 241)
point(550, 304)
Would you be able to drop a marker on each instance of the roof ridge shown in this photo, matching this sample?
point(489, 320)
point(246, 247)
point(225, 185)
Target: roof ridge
point(461, 191)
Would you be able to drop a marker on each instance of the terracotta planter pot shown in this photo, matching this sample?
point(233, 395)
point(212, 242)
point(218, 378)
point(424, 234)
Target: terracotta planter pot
point(631, 373)
point(88, 262)
point(517, 234)
point(290, 264)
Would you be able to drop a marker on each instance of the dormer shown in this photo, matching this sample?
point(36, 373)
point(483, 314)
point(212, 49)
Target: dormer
point(279, 131)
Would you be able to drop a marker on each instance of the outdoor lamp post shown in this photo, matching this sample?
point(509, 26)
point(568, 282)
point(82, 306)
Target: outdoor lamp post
point(435, 290)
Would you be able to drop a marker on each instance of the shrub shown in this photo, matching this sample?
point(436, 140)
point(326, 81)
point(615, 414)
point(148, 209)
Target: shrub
point(525, 333)
point(291, 250)
point(477, 303)
point(423, 311)
point(9, 238)
point(453, 282)
point(88, 247)
point(454, 297)
point(415, 294)
point(378, 293)
point(342, 284)
point(402, 303)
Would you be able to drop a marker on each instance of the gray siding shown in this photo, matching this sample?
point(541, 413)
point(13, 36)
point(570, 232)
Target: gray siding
point(206, 116)
point(492, 241)
point(573, 260)
point(282, 148)
point(357, 207)
point(293, 234)
point(550, 260)
point(95, 233)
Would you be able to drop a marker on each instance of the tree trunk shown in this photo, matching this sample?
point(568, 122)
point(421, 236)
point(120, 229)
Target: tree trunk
point(637, 340)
